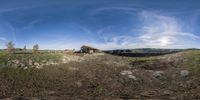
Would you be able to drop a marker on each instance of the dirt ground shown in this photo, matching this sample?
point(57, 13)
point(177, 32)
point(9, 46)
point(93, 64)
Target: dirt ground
point(107, 77)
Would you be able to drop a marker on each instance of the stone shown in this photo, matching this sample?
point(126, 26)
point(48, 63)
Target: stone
point(25, 67)
point(167, 92)
point(7, 99)
point(51, 92)
point(17, 61)
point(44, 61)
point(36, 64)
point(184, 73)
point(148, 93)
point(158, 74)
point(73, 68)
point(132, 77)
point(22, 65)
point(126, 72)
point(79, 83)
point(30, 62)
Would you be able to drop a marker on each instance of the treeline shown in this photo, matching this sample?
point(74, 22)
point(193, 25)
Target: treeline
point(10, 48)
point(143, 52)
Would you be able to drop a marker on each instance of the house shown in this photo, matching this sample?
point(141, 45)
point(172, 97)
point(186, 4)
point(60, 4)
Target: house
point(88, 49)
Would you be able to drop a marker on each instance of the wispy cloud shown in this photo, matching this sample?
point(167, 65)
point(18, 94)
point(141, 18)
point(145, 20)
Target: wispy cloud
point(157, 31)
point(32, 23)
point(163, 31)
point(3, 39)
point(124, 9)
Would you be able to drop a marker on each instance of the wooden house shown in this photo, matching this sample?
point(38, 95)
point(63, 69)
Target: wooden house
point(88, 49)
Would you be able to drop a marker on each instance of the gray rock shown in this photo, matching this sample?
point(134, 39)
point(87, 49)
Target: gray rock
point(30, 62)
point(158, 74)
point(73, 68)
point(167, 92)
point(22, 65)
point(25, 67)
point(184, 73)
point(132, 77)
point(17, 61)
point(79, 83)
point(126, 72)
point(36, 64)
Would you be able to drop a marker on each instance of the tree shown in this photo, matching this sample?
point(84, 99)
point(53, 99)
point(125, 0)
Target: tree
point(10, 47)
point(24, 48)
point(35, 48)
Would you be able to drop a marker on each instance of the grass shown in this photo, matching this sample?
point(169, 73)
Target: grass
point(32, 82)
point(192, 60)
point(99, 77)
point(4, 57)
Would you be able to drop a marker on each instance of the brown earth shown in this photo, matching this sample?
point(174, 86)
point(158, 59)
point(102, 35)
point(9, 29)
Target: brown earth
point(173, 76)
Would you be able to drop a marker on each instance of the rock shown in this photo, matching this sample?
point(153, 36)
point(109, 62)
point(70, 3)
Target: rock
point(167, 92)
point(36, 64)
point(51, 92)
point(126, 72)
point(6, 99)
point(17, 61)
point(79, 83)
point(158, 74)
point(30, 62)
point(173, 98)
point(44, 61)
point(73, 68)
point(22, 65)
point(26, 67)
point(38, 67)
point(150, 71)
point(148, 93)
point(34, 98)
point(184, 73)
point(132, 77)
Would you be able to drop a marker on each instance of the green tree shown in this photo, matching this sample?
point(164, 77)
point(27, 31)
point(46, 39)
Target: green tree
point(24, 48)
point(10, 47)
point(35, 48)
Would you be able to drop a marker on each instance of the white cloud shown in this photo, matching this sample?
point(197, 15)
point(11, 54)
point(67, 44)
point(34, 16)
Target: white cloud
point(163, 31)
point(2, 42)
point(157, 31)
point(116, 42)
point(3, 39)
point(33, 23)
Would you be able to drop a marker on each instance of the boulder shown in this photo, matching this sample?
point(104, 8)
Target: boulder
point(184, 73)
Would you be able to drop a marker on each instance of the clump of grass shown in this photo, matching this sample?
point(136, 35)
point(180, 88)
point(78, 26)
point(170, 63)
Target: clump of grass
point(191, 61)
point(4, 58)
point(33, 82)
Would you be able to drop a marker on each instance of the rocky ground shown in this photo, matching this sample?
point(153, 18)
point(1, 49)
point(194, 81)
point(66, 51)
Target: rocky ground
point(173, 76)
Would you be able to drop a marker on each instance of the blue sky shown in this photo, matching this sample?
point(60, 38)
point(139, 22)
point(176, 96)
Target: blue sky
point(105, 24)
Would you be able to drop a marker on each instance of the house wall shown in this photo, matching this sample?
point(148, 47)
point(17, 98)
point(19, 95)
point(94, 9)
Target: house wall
point(87, 50)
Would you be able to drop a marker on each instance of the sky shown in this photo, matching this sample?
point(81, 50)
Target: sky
point(104, 24)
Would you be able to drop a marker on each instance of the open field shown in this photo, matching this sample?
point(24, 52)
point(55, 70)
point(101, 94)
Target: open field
point(173, 76)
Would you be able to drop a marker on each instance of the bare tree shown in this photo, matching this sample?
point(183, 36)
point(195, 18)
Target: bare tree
point(35, 48)
point(10, 47)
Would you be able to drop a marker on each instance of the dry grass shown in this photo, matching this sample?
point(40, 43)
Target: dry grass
point(99, 77)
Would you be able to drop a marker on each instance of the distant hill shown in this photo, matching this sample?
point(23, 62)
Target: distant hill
point(145, 51)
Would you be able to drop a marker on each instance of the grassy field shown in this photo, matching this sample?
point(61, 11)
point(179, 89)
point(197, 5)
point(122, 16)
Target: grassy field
point(105, 77)
point(5, 57)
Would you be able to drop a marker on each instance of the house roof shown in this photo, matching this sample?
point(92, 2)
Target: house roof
point(84, 46)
